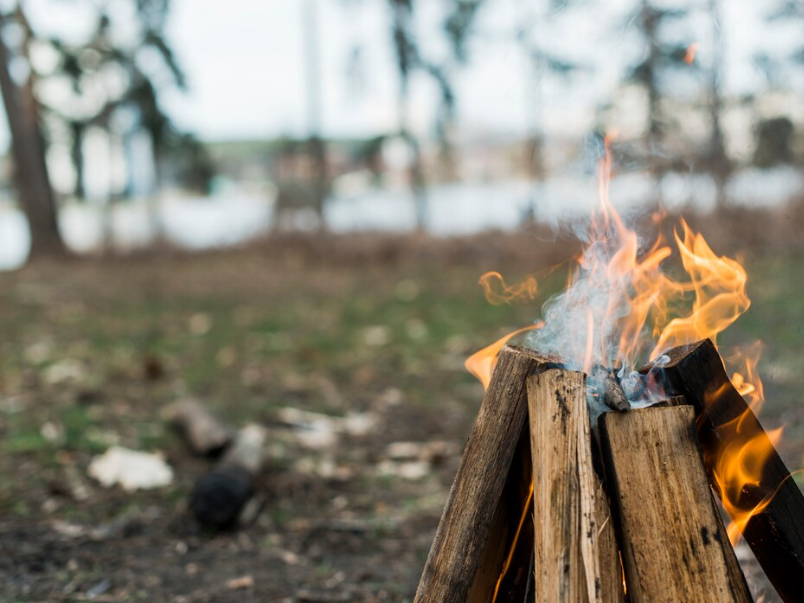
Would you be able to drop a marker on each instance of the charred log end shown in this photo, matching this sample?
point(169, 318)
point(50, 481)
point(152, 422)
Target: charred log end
point(220, 495)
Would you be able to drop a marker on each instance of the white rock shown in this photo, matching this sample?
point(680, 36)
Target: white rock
point(132, 469)
point(320, 431)
point(411, 470)
point(63, 371)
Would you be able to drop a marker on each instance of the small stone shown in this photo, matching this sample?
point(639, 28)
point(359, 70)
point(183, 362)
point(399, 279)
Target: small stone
point(240, 583)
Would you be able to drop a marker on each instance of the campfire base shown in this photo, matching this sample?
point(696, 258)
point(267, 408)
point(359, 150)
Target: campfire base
point(531, 454)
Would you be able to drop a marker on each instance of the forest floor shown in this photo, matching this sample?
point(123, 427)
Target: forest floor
point(371, 329)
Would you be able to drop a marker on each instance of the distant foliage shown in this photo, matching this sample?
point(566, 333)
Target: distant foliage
point(115, 80)
point(774, 140)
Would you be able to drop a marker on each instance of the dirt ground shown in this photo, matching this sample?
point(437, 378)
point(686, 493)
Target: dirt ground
point(370, 333)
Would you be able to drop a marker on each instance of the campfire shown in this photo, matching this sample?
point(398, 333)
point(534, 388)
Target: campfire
point(610, 436)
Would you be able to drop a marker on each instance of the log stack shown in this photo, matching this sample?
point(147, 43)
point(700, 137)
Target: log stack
point(545, 507)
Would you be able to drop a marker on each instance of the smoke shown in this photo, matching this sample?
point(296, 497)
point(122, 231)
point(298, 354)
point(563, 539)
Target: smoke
point(592, 299)
point(584, 325)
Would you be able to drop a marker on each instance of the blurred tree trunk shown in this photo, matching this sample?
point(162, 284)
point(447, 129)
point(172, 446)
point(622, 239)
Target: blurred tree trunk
point(28, 150)
point(650, 25)
point(719, 163)
point(402, 15)
point(155, 200)
point(77, 129)
point(107, 211)
point(316, 147)
point(418, 186)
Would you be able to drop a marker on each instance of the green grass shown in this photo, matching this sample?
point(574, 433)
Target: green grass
point(325, 338)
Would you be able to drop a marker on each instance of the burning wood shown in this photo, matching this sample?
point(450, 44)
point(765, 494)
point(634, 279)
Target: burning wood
point(616, 312)
point(482, 517)
point(481, 552)
point(572, 561)
point(608, 390)
point(743, 466)
point(676, 548)
point(497, 528)
point(556, 401)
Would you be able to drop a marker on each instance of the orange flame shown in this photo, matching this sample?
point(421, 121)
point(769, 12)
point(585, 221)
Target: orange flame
point(737, 465)
point(719, 287)
point(497, 292)
point(746, 380)
point(738, 462)
point(692, 50)
point(643, 314)
point(481, 364)
point(717, 283)
point(514, 541)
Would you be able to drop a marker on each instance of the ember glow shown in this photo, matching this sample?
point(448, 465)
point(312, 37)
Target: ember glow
point(620, 310)
point(689, 56)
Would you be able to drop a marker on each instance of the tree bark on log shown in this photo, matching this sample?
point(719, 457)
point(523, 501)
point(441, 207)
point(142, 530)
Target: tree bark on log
point(599, 548)
point(476, 501)
point(776, 535)
point(575, 550)
point(205, 434)
point(674, 549)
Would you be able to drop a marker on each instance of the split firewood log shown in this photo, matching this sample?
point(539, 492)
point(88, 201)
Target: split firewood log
point(205, 434)
point(776, 534)
point(675, 547)
point(219, 497)
point(483, 545)
point(574, 542)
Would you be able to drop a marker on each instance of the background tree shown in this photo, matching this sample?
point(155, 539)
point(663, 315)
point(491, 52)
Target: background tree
point(94, 70)
point(717, 158)
point(316, 146)
point(775, 133)
point(542, 60)
point(651, 71)
point(411, 58)
point(27, 141)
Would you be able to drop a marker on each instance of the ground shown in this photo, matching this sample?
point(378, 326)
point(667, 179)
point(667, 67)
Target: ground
point(367, 330)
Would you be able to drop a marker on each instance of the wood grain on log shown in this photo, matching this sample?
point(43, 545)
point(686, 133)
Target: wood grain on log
point(573, 547)
point(599, 548)
point(476, 502)
point(610, 569)
point(776, 535)
point(674, 548)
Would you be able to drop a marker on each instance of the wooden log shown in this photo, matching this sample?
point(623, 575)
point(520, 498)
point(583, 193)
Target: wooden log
point(221, 494)
point(610, 586)
point(673, 549)
point(206, 435)
point(506, 562)
point(599, 548)
point(476, 503)
point(575, 552)
point(776, 535)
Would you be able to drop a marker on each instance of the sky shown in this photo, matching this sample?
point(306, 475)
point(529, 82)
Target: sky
point(246, 66)
point(245, 63)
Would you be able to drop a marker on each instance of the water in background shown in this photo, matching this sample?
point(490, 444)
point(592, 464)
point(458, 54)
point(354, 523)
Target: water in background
point(453, 209)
